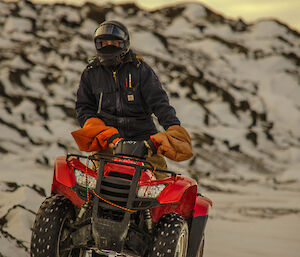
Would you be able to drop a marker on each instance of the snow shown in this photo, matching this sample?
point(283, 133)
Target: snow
point(292, 174)
point(26, 11)
point(22, 196)
point(19, 63)
point(19, 224)
point(22, 38)
point(55, 113)
point(79, 44)
point(222, 110)
point(24, 171)
point(68, 13)
point(250, 235)
point(8, 248)
point(39, 133)
point(35, 55)
point(52, 152)
point(194, 11)
point(27, 110)
point(225, 32)
point(146, 41)
point(14, 24)
point(186, 112)
point(275, 238)
point(7, 132)
point(213, 48)
point(286, 86)
point(280, 106)
point(267, 29)
point(6, 43)
point(61, 129)
point(9, 86)
point(88, 27)
point(180, 27)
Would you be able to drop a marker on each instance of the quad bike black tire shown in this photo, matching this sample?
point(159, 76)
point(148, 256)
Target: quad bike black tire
point(170, 237)
point(50, 232)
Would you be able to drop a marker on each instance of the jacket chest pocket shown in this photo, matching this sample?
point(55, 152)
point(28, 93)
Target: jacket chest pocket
point(134, 103)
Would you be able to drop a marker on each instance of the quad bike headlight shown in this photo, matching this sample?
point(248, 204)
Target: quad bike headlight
point(150, 191)
point(81, 178)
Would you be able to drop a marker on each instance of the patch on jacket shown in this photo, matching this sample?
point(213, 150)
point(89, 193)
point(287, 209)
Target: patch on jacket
point(92, 62)
point(92, 59)
point(130, 98)
point(139, 60)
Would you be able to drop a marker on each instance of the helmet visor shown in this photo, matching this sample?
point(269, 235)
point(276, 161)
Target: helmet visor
point(110, 29)
point(102, 43)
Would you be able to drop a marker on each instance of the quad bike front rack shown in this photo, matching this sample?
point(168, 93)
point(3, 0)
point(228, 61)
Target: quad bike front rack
point(109, 158)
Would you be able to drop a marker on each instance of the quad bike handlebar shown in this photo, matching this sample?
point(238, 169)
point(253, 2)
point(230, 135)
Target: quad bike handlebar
point(126, 149)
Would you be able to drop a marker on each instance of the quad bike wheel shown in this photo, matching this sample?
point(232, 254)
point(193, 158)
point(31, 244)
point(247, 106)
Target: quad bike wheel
point(171, 237)
point(51, 231)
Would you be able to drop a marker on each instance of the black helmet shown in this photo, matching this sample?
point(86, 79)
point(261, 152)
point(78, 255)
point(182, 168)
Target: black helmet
point(111, 30)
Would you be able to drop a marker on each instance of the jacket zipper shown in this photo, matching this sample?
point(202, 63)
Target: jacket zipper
point(115, 76)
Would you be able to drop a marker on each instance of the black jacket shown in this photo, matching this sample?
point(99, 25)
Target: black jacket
point(125, 98)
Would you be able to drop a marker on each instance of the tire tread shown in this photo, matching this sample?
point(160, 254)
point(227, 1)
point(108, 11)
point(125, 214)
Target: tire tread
point(47, 225)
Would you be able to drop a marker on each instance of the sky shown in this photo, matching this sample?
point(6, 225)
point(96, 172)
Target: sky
point(287, 11)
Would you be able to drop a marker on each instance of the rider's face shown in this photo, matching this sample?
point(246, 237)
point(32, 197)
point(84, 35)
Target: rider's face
point(115, 43)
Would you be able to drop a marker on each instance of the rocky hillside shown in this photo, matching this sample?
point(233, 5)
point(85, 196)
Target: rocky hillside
point(235, 86)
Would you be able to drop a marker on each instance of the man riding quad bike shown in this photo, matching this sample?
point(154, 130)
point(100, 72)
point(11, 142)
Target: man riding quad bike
point(126, 203)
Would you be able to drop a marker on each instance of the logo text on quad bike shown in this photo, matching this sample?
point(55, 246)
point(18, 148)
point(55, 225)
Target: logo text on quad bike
point(129, 142)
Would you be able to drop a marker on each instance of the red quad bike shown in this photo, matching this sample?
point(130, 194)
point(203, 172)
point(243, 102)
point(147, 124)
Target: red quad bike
point(117, 207)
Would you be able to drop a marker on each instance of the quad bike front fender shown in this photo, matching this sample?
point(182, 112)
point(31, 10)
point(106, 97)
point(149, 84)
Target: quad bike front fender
point(179, 196)
point(183, 206)
point(64, 180)
point(198, 223)
point(175, 189)
point(63, 173)
point(202, 206)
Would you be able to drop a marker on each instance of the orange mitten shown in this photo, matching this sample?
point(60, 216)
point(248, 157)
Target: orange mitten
point(95, 136)
point(175, 143)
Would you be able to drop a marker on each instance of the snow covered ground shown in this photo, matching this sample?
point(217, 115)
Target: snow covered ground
point(235, 86)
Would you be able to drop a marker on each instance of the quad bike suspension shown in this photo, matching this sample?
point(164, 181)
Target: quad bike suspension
point(148, 220)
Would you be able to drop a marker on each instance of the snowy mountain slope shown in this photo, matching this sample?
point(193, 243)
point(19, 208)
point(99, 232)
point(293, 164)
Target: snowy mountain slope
point(235, 87)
